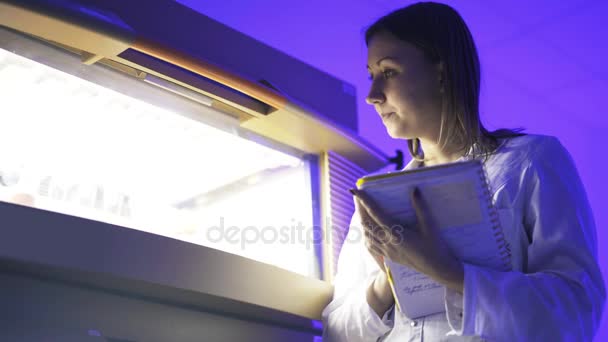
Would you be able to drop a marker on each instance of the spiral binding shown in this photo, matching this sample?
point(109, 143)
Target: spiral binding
point(503, 245)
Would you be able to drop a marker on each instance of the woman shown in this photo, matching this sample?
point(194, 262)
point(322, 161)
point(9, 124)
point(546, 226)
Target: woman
point(425, 78)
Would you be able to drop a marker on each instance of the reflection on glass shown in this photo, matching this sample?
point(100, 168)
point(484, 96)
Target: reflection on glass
point(74, 147)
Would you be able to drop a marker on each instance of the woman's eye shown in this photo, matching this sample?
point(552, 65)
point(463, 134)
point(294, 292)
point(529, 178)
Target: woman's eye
point(389, 73)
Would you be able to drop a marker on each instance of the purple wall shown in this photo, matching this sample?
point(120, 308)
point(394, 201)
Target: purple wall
point(542, 62)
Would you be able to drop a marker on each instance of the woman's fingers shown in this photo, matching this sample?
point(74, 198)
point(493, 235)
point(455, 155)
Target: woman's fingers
point(370, 225)
point(387, 236)
point(373, 248)
point(371, 208)
point(382, 238)
point(366, 219)
point(379, 237)
point(376, 253)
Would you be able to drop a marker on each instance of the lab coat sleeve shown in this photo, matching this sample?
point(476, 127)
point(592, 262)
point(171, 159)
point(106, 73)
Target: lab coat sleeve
point(560, 295)
point(348, 317)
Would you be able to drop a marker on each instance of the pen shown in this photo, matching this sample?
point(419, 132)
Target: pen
point(389, 276)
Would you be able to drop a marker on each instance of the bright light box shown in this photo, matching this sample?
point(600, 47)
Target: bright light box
point(88, 141)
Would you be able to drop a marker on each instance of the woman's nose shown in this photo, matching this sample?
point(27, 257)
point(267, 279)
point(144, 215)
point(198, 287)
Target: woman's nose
point(375, 96)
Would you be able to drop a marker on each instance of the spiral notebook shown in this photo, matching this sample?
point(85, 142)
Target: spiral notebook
point(460, 204)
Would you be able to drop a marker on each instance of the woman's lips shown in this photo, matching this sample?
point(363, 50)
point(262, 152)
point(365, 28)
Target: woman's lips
point(387, 115)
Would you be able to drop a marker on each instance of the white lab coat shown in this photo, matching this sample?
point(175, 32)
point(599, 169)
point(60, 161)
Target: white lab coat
point(555, 291)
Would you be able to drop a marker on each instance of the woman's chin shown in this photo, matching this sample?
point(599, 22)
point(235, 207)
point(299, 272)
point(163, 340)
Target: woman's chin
point(399, 133)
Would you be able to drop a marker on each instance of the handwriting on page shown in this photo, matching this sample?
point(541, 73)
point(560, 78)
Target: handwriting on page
point(410, 290)
point(412, 281)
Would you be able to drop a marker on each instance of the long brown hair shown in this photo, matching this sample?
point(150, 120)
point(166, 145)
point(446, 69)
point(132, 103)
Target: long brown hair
point(441, 33)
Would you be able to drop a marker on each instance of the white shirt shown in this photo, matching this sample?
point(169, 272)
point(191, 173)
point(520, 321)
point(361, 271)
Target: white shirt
point(555, 291)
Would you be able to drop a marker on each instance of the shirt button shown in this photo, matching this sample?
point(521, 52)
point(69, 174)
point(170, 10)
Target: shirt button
point(413, 323)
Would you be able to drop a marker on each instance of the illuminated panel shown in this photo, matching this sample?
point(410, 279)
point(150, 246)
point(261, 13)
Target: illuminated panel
point(75, 147)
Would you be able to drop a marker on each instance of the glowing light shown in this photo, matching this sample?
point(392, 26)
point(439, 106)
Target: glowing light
point(89, 151)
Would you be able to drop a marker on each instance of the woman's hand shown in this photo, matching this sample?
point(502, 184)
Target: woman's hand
point(420, 248)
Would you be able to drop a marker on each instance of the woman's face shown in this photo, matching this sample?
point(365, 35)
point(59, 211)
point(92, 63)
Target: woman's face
point(405, 89)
